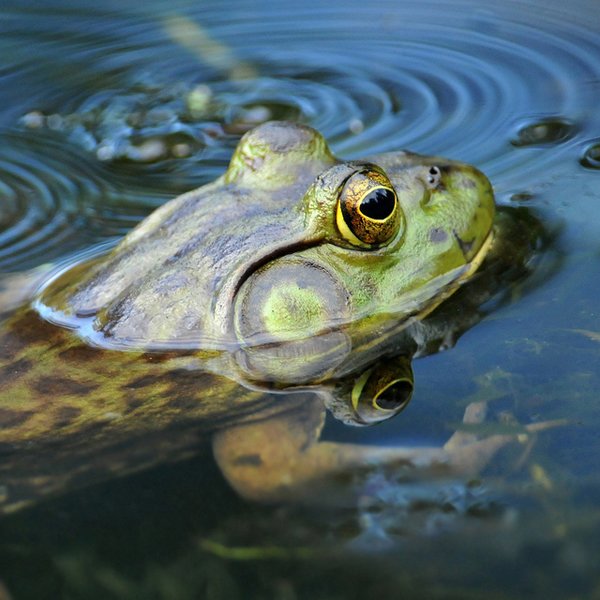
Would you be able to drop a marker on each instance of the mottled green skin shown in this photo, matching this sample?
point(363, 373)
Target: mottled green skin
point(256, 257)
point(53, 384)
point(72, 415)
point(180, 293)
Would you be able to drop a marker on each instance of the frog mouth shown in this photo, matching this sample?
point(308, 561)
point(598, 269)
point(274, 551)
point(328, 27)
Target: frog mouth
point(461, 275)
point(472, 264)
point(465, 246)
point(454, 279)
point(479, 256)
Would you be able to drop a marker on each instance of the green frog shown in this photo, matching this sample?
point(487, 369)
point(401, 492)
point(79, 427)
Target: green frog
point(240, 310)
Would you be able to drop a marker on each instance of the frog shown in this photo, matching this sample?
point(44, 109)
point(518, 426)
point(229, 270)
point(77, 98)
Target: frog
point(293, 284)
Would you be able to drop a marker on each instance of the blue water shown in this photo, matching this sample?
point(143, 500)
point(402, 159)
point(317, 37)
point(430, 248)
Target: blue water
point(512, 88)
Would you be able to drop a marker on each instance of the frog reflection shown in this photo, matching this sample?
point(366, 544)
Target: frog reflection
point(292, 271)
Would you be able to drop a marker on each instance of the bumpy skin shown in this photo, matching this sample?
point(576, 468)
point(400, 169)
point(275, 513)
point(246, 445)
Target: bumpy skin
point(259, 256)
point(176, 277)
point(253, 276)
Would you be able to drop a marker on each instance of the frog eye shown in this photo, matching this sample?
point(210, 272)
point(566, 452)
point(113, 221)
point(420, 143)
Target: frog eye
point(434, 177)
point(395, 396)
point(368, 213)
point(384, 390)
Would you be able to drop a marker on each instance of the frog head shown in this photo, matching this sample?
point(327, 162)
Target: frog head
point(377, 242)
point(298, 266)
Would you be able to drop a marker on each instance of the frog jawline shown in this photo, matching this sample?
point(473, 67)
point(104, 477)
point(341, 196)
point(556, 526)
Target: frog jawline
point(84, 327)
point(415, 308)
point(468, 271)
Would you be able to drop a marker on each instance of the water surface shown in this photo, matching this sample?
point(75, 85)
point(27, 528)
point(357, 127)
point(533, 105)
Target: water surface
point(511, 88)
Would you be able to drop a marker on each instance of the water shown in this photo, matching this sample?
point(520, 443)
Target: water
point(512, 88)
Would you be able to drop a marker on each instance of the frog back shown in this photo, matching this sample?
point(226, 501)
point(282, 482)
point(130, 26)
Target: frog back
point(171, 281)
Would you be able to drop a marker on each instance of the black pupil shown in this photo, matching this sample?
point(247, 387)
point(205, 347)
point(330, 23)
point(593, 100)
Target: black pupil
point(395, 396)
point(378, 204)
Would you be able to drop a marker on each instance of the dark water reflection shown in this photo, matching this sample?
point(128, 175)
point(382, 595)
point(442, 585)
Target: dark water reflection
point(512, 88)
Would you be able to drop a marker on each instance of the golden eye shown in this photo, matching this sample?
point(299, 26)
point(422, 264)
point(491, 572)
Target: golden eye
point(383, 390)
point(395, 396)
point(368, 213)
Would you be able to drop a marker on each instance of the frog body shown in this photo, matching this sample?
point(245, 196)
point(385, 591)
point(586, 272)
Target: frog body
point(268, 254)
point(293, 272)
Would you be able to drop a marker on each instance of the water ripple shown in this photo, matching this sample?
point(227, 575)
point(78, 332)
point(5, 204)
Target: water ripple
point(55, 201)
point(512, 91)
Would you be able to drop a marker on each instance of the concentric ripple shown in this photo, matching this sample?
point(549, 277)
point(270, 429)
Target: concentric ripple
point(154, 99)
point(54, 201)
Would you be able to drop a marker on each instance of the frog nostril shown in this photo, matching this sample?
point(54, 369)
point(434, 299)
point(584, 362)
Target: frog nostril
point(434, 177)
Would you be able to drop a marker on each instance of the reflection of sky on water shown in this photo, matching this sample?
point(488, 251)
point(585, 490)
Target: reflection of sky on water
point(511, 88)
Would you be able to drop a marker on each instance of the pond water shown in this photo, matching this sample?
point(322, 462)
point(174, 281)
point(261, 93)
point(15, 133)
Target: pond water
point(109, 109)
